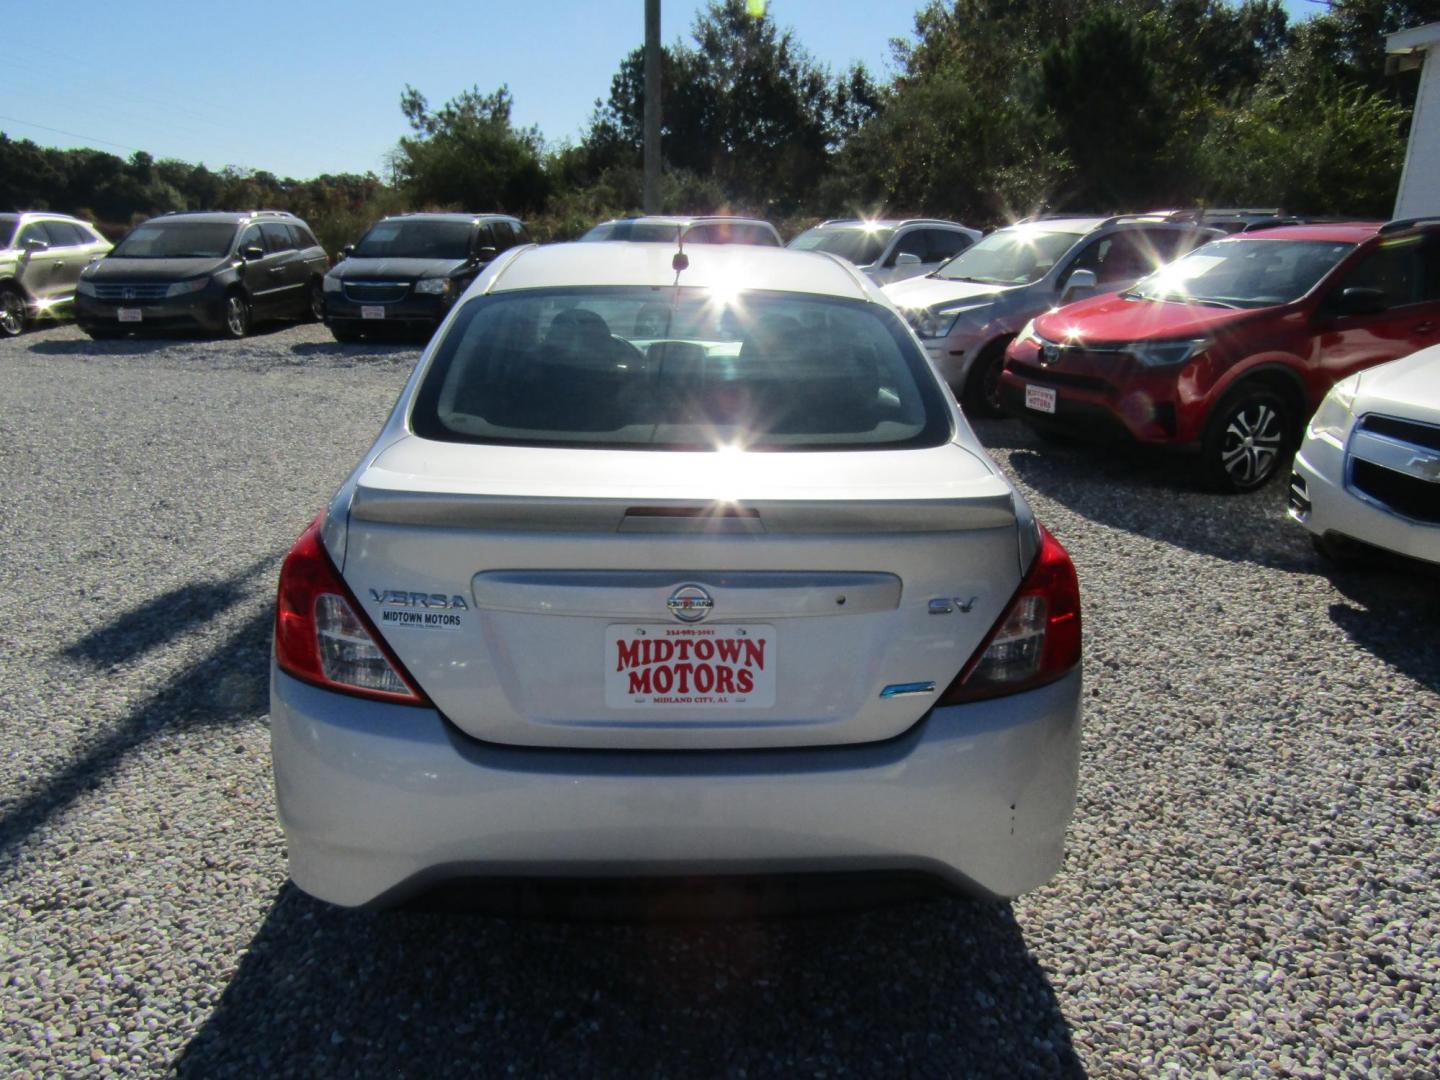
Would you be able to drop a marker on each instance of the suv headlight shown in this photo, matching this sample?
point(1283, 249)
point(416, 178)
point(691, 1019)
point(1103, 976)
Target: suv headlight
point(937, 322)
point(1153, 354)
point(1028, 336)
point(1335, 415)
point(434, 286)
point(180, 288)
point(85, 288)
point(331, 283)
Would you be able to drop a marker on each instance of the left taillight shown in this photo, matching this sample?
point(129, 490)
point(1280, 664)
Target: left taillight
point(323, 637)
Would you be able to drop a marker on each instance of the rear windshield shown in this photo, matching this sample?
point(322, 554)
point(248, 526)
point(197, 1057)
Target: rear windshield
point(679, 369)
point(1241, 273)
point(177, 240)
point(859, 245)
point(416, 240)
point(730, 232)
point(635, 232)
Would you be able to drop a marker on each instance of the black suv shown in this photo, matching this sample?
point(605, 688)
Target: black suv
point(218, 271)
point(407, 270)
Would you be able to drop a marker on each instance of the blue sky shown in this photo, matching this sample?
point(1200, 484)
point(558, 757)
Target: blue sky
point(307, 86)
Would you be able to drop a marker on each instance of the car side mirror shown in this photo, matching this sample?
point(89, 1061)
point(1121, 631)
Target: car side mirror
point(35, 244)
point(1079, 284)
point(485, 254)
point(1358, 300)
point(251, 252)
point(347, 251)
point(907, 258)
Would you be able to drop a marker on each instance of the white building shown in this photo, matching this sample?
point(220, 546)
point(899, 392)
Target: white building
point(1419, 194)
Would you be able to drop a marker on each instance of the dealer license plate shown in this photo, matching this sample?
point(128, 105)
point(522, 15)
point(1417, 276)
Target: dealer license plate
point(1040, 398)
point(128, 314)
point(713, 668)
point(372, 311)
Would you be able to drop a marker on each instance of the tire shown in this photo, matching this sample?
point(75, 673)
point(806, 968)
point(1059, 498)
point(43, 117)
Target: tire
point(235, 316)
point(982, 384)
point(1245, 440)
point(14, 315)
point(315, 308)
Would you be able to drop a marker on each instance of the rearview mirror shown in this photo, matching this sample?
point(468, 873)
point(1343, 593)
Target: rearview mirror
point(906, 258)
point(35, 244)
point(485, 254)
point(1079, 284)
point(347, 251)
point(1358, 300)
point(252, 251)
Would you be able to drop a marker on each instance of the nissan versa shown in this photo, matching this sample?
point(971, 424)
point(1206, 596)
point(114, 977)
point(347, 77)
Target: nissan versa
point(674, 565)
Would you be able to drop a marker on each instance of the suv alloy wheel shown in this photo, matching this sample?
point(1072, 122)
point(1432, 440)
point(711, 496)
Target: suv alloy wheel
point(1245, 440)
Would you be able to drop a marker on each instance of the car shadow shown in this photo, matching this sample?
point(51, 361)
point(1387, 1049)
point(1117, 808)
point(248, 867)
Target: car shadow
point(1152, 493)
point(1393, 612)
point(166, 617)
point(356, 348)
point(228, 685)
point(942, 988)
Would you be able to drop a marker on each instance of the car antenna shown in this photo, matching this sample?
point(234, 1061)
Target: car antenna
point(681, 261)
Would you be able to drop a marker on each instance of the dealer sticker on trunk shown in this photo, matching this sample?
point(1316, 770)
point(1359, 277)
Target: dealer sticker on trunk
point(708, 667)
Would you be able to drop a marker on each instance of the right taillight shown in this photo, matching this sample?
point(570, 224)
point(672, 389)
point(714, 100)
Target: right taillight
point(1036, 641)
point(322, 636)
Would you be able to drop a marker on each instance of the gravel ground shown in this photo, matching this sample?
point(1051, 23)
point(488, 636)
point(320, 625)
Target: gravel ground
point(1251, 879)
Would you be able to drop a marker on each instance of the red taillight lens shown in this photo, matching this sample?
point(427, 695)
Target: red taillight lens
point(1036, 641)
point(323, 637)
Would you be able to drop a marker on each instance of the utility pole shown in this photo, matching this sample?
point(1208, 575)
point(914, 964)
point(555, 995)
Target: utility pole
point(652, 106)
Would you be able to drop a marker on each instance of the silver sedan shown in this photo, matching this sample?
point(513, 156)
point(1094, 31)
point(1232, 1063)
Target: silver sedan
point(674, 564)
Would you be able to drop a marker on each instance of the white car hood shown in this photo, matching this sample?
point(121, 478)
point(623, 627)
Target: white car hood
point(1408, 388)
point(925, 292)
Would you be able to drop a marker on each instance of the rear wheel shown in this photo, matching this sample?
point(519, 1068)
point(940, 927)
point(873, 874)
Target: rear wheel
point(316, 309)
point(236, 322)
point(13, 315)
point(982, 385)
point(1245, 440)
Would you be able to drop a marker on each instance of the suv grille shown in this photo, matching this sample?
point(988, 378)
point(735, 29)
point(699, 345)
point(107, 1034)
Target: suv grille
point(1405, 430)
point(376, 292)
point(134, 291)
point(1396, 463)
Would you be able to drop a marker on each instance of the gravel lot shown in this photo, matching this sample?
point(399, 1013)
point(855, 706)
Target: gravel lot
point(1251, 885)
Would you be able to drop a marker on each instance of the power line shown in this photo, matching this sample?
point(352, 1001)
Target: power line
point(71, 134)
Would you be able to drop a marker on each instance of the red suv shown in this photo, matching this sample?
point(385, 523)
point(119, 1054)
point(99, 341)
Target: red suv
point(1230, 349)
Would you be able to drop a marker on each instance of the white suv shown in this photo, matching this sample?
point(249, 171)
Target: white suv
point(968, 310)
point(41, 256)
point(889, 250)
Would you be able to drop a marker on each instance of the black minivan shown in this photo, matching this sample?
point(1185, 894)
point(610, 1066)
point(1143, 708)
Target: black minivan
point(407, 270)
point(215, 271)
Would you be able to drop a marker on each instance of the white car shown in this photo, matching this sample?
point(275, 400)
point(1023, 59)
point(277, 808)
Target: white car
point(674, 565)
point(890, 249)
point(1369, 467)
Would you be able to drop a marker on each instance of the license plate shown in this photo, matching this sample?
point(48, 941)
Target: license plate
point(372, 311)
point(713, 668)
point(128, 314)
point(1040, 398)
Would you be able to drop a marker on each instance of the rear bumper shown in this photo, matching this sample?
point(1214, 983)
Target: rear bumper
point(1323, 505)
point(379, 801)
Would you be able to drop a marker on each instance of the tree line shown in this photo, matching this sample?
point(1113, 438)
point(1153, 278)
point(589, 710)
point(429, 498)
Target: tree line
point(997, 109)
